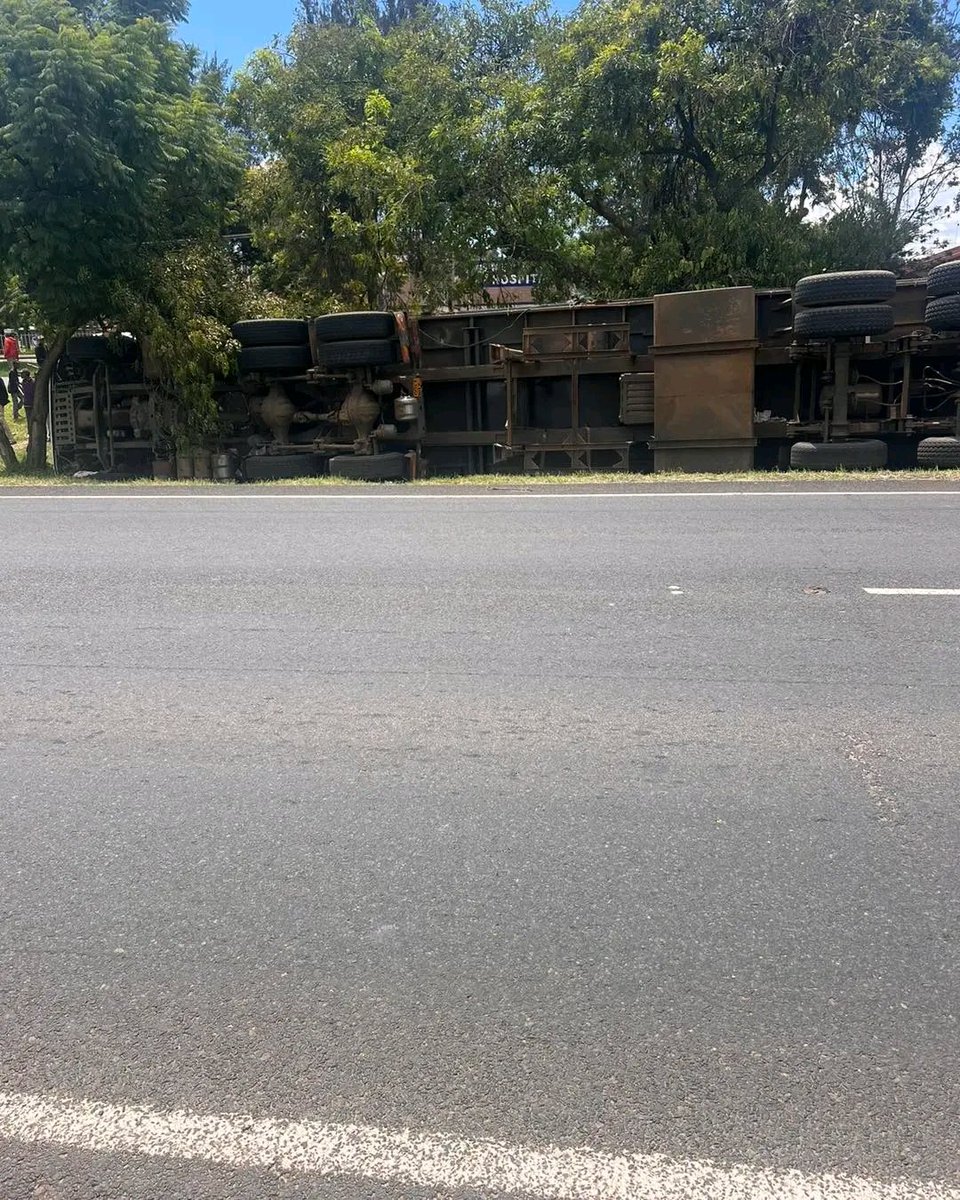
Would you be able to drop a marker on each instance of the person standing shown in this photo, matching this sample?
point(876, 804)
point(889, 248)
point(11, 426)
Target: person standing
point(40, 351)
point(13, 387)
point(11, 352)
point(28, 387)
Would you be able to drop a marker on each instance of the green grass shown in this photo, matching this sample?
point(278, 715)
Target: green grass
point(624, 480)
point(632, 479)
point(17, 431)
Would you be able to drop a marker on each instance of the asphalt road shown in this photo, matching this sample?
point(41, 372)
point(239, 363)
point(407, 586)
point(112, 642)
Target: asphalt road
point(619, 823)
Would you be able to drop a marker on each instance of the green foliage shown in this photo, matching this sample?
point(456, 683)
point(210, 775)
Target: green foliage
point(182, 310)
point(114, 156)
point(16, 307)
point(110, 155)
point(126, 12)
point(635, 145)
point(385, 14)
point(392, 166)
point(698, 135)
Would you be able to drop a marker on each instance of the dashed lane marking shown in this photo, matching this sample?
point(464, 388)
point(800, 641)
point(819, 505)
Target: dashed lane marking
point(912, 591)
point(410, 1159)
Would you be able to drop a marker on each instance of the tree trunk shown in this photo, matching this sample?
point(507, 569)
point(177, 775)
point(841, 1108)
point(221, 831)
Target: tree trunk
point(37, 446)
point(8, 455)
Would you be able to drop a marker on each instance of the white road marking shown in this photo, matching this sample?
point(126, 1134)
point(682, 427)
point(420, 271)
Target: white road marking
point(410, 1159)
point(912, 591)
point(336, 494)
point(674, 590)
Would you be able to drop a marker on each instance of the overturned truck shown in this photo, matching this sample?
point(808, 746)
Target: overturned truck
point(849, 370)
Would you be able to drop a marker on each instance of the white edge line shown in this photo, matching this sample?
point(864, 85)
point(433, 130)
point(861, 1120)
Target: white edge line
point(331, 494)
point(912, 591)
point(420, 1160)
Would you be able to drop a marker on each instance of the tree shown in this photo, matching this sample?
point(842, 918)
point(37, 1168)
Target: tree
point(467, 95)
point(113, 155)
point(634, 146)
point(891, 189)
point(97, 13)
point(292, 108)
point(391, 166)
point(16, 308)
point(385, 14)
point(698, 134)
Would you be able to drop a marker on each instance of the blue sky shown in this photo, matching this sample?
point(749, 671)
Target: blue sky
point(233, 29)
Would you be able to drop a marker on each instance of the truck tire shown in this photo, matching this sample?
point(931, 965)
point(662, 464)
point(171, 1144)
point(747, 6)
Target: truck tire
point(845, 287)
point(943, 314)
point(868, 455)
point(939, 452)
point(944, 280)
point(89, 349)
point(376, 468)
point(264, 467)
point(275, 358)
point(362, 352)
point(270, 333)
point(97, 348)
point(342, 327)
point(843, 321)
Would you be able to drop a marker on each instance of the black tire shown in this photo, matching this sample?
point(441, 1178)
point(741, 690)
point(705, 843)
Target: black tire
point(271, 333)
point(939, 452)
point(868, 455)
point(89, 349)
point(850, 320)
point(365, 352)
point(97, 348)
point(943, 314)
point(845, 287)
point(275, 358)
point(262, 467)
point(944, 280)
point(341, 327)
point(377, 468)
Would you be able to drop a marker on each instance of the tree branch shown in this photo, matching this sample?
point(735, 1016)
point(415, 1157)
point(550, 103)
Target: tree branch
point(614, 219)
point(37, 446)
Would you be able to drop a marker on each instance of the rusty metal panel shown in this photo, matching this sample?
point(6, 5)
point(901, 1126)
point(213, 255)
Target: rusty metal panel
point(909, 305)
point(700, 318)
point(576, 342)
point(775, 318)
point(704, 396)
point(704, 368)
point(710, 456)
point(449, 340)
point(636, 398)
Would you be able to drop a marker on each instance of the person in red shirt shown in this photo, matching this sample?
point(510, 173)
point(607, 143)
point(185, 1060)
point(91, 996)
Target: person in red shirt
point(11, 352)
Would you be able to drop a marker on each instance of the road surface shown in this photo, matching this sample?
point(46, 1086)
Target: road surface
point(605, 844)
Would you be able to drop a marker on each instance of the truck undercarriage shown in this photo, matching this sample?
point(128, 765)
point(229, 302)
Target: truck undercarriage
point(722, 380)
